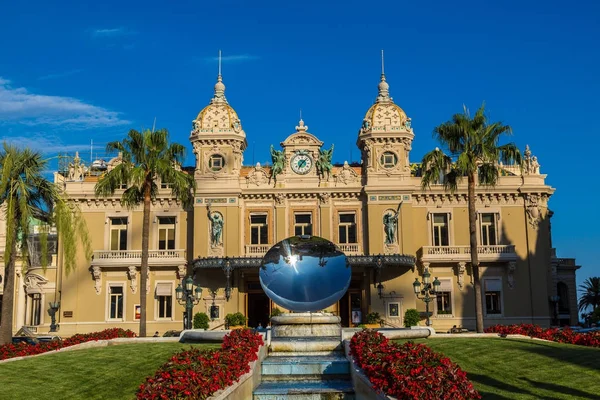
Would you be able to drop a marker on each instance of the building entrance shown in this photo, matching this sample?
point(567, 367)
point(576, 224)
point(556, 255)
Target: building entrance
point(258, 307)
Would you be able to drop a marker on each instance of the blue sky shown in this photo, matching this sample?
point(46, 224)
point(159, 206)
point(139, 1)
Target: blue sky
point(73, 72)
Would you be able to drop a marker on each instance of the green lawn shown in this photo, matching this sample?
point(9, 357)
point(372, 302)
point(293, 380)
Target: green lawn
point(112, 372)
point(524, 369)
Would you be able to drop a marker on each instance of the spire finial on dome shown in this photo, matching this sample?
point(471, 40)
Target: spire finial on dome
point(301, 127)
point(384, 87)
point(219, 96)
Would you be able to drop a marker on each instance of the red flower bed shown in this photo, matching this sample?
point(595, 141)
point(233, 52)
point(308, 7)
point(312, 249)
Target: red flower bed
point(409, 371)
point(566, 335)
point(25, 349)
point(197, 374)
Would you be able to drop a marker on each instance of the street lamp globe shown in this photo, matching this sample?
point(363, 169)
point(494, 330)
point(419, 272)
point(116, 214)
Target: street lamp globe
point(198, 292)
point(417, 286)
point(189, 284)
point(179, 292)
point(426, 276)
point(436, 285)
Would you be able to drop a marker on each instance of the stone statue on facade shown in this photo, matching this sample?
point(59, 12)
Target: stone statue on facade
point(216, 228)
point(324, 163)
point(278, 159)
point(531, 166)
point(390, 220)
point(76, 169)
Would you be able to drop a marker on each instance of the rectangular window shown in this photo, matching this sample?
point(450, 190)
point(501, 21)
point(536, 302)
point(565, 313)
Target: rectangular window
point(116, 302)
point(488, 229)
point(444, 297)
point(303, 224)
point(493, 296)
point(259, 229)
point(347, 228)
point(166, 233)
point(164, 299)
point(118, 233)
point(35, 309)
point(440, 230)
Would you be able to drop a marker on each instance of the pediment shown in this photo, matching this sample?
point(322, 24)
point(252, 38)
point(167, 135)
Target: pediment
point(301, 139)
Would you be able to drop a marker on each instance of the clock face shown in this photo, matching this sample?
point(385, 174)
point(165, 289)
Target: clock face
point(301, 163)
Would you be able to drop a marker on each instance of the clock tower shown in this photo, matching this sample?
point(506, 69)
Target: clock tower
point(301, 152)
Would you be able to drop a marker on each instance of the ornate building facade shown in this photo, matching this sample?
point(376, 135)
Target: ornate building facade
point(376, 212)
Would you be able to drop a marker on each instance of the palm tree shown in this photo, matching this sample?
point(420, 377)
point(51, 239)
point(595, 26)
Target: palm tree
point(474, 153)
point(146, 156)
point(590, 294)
point(26, 195)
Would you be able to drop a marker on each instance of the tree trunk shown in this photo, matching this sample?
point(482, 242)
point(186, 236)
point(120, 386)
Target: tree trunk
point(144, 270)
point(474, 255)
point(8, 301)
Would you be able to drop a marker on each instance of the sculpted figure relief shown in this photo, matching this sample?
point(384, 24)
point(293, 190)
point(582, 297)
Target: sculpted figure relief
point(390, 220)
point(278, 159)
point(216, 229)
point(324, 163)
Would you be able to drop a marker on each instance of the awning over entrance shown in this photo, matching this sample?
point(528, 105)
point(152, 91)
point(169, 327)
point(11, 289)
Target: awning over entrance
point(374, 261)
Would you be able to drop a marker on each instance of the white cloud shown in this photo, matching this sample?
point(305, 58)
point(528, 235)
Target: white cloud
point(17, 105)
point(112, 32)
point(59, 75)
point(47, 144)
point(233, 58)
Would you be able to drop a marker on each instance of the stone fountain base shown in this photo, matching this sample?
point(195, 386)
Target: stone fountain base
point(305, 325)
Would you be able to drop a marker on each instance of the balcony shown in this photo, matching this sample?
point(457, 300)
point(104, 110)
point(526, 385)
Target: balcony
point(126, 258)
point(495, 253)
point(350, 249)
point(257, 250)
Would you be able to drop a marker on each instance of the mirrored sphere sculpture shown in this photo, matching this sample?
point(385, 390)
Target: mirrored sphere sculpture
point(305, 273)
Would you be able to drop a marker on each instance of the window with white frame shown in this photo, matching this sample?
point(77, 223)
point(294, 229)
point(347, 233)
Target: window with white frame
point(164, 299)
point(166, 233)
point(115, 302)
point(493, 295)
point(489, 229)
point(303, 224)
point(259, 229)
point(118, 233)
point(216, 162)
point(35, 309)
point(347, 227)
point(444, 297)
point(440, 233)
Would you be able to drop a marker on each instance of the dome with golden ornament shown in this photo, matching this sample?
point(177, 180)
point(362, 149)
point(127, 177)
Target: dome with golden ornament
point(218, 116)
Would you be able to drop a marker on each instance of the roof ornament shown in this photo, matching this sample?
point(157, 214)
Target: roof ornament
point(301, 127)
point(384, 87)
point(219, 96)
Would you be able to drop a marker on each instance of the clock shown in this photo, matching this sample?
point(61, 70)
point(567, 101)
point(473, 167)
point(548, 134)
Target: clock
point(301, 163)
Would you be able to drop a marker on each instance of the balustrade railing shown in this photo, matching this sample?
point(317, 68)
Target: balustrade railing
point(464, 252)
point(255, 250)
point(350, 248)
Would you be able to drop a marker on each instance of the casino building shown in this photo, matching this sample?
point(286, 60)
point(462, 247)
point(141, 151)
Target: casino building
point(376, 212)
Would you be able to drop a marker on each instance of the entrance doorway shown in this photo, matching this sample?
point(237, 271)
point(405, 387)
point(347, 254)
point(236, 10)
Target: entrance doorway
point(258, 305)
point(351, 308)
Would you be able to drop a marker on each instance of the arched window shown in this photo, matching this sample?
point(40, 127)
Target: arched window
point(563, 303)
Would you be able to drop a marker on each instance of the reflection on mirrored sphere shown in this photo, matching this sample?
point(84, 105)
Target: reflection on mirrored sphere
point(305, 273)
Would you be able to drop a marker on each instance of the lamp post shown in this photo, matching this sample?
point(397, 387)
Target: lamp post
point(429, 291)
point(54, 306)
point(188, 296)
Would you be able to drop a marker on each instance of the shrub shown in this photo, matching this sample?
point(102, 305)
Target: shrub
point(566, 335)
point(411, 317)
point(409, 371)
point(197, 374)
point(235, 319)
point(275, 312)
point(24, 349)
point(201, 321)
point(373, 318)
